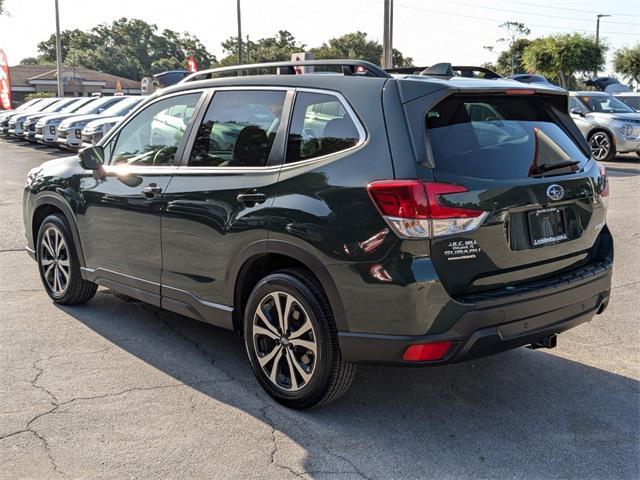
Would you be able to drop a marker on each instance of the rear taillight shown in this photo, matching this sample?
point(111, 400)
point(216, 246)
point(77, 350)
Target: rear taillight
point(414, 209)
point(605, 180)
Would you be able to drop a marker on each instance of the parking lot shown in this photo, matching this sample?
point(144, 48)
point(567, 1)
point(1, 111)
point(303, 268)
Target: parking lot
point(119, 389)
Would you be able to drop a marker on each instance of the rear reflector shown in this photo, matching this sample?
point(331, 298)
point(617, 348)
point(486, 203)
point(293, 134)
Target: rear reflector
point(414, 209)
point(425, 352)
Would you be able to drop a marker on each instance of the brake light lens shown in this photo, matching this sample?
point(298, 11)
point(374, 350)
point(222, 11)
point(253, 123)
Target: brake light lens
point(605, 179)
point(426, 352)
point(414, 209)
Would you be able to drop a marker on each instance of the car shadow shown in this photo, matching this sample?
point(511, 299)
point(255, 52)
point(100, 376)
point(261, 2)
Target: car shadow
point(520, 414)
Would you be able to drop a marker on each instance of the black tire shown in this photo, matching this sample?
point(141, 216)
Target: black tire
point(595, 141)
point(330, 376)
point(76, 290)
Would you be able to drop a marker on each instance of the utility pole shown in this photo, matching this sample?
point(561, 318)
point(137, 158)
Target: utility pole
point(599, 16)
point(239, 35)
point(59, 53)
point(387, 40)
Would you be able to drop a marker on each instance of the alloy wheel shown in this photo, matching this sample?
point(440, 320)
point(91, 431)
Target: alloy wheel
point(54, 261)
point(284, 341)
point(600, 145)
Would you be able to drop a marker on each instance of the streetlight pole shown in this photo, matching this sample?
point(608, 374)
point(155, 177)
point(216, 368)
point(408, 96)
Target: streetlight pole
point(387, 40)
point(598, 17)
point(239, 34)
point(58, 53)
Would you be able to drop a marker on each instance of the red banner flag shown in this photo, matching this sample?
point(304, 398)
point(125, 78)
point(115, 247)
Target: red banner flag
point(5, 84)
point(192, 65)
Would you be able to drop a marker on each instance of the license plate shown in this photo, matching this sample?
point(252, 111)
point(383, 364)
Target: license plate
point(546, 227)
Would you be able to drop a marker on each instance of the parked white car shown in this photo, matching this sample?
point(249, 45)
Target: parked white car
point(96, 129)
point(69, 132)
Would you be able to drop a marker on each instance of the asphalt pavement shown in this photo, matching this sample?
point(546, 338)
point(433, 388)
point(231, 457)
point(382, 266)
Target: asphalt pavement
point(118, 389)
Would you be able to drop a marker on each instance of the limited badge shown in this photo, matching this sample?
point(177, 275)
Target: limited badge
point(462, 250)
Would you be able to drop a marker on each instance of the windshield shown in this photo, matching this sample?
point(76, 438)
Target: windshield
point(123, 107)
point(93, 107)
point(56, 106)
point(77, 105)
point(605, 104)
point(499, 136)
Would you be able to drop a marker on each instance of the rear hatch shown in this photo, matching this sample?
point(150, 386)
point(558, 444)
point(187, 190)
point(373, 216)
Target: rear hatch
point(521, 162)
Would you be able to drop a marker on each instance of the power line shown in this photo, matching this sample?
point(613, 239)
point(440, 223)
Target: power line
point(489, 19)
point(568, 9)
point(520, 12)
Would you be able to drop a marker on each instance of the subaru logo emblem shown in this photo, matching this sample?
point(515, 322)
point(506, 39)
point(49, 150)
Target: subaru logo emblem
point(555, 192)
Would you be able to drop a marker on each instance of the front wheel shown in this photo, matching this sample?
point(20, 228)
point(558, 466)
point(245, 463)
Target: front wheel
point(602, 147)
point(292, 342)
point(58, 264)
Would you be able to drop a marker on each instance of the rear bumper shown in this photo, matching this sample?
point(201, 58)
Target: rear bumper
point(495, 325)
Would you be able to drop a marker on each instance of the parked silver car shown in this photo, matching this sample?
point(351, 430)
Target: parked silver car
point(609, 125)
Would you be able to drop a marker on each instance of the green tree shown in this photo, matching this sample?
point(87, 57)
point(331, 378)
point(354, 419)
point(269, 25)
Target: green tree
point(560, 57)
point(268, 49)
point(356, 45)
point(514, 33)
point(510, 61)
point(626, 62)
point(130, 48)
point(31, 96)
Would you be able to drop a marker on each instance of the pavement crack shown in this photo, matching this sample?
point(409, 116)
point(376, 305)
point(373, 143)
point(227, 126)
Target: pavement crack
point(274, 442)
point(625, 285)
point(7, 250)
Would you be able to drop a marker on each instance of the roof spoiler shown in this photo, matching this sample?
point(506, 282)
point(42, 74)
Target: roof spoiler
point(446, 70)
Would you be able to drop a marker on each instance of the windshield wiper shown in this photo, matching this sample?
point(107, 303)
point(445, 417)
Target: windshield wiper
point(554, 166)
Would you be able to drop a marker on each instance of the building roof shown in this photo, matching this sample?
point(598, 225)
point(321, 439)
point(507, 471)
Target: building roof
point(25, 75)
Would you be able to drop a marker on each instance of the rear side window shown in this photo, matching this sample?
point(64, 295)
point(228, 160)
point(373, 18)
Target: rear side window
point(238, 129)
point(633, 102)
point(501, 136)
point(320, 126)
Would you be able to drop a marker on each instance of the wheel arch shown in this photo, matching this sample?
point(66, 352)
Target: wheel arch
point(264, 257)
point(47, 203)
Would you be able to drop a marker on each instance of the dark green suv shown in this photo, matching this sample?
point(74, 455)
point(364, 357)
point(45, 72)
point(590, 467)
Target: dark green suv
point(336, 217)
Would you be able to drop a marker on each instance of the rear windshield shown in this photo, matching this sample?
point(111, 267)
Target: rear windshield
point(500, 137)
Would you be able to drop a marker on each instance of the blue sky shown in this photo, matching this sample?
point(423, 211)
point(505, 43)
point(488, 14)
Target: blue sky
point(430, 31)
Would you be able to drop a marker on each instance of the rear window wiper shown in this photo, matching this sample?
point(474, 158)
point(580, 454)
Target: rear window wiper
point(554, 166)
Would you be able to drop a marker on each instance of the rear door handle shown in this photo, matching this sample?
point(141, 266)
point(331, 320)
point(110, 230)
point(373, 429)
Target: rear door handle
point(151, 190)
point(251, 199)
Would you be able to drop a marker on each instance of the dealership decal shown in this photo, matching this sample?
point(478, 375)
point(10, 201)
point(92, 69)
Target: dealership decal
point(462, 250)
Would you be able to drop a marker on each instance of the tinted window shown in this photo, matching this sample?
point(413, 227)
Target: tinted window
point(238, 129)
point(633, 102)
point(320, 125)
point(500, 137)
point(152, 137)
point(605, 104)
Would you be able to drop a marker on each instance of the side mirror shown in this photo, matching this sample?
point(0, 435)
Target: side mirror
point(577, 111)
point(92, 158)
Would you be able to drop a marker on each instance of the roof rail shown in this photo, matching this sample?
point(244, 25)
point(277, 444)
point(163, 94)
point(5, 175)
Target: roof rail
point(457, 70)
point(349, 68)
